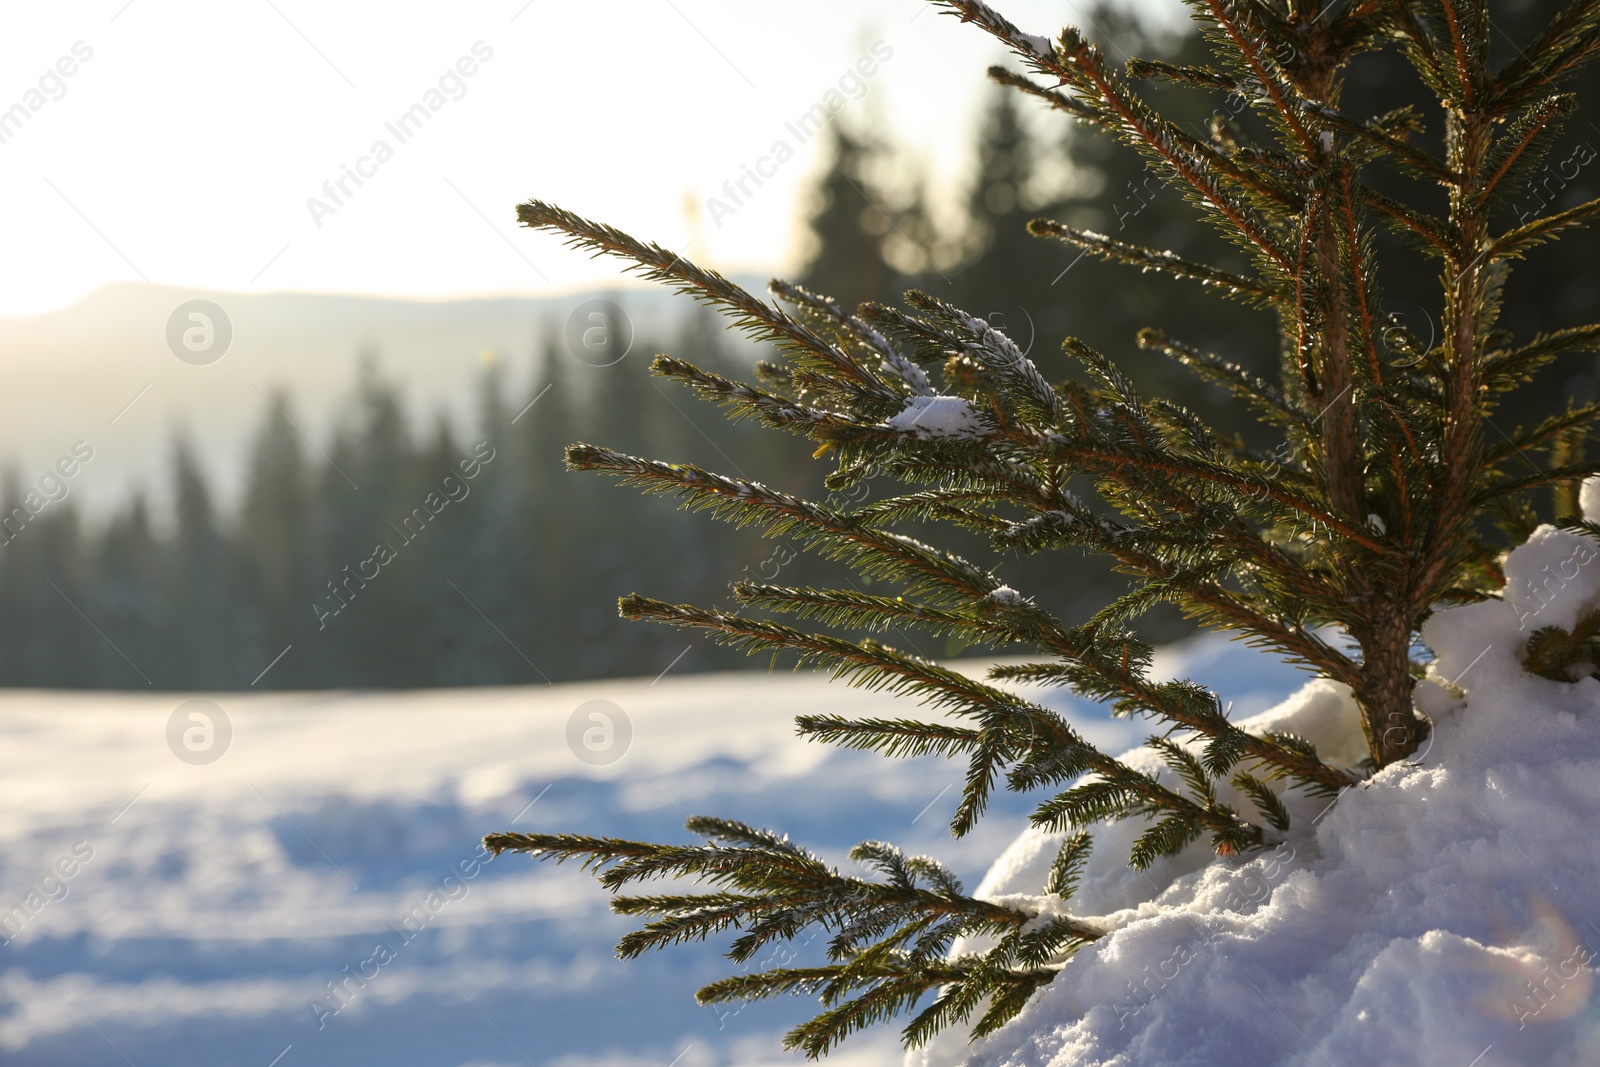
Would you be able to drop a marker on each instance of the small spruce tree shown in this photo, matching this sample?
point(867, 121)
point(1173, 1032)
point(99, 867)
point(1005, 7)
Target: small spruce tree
point(1393, 493)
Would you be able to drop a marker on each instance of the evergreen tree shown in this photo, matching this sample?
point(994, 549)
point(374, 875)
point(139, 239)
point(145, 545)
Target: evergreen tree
point(849, 222)
point(553, 556)
point(1034, 291)
point(1389, 496)
point(273, 535)
point(373, 634)
point(464, 561)
point(127, 606)
point(1003, 268)
point(47, 583)
point(198, 584)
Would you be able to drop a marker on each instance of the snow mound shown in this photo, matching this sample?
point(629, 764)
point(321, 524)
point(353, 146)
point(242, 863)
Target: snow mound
point(938, 416)
point(1442, 914)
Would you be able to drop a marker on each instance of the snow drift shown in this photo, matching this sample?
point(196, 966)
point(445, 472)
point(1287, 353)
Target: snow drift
point(1444, 913)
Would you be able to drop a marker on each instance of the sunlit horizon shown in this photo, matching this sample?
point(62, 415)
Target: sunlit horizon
point(224, 149)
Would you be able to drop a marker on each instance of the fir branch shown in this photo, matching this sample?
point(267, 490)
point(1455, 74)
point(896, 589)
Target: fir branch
point(1430, 232)
point(1521, 442)
point(876, 553)
point(1104, 462)
point(915, 377)
point(1183, 74)
point(949, 330)
point(1357, 263)
point(1537, 232)
point(959, 504)
point(1519, 364)
point(853, 609)
point(755, 317)
point(1569, 41)
point(1403, 153)
point(1516, 486)
point(1146, 259)
point(1010, 722)
point(748, 401)
point(1069, 864)
point(1519, 149)
point(891, 935)
point(897, 738)
point(1465, 48)
point(1058, 100)
point(1235, 378)
point(1036, 50)
point(1265, 800)
point(1264, 71)
point(1188, 159)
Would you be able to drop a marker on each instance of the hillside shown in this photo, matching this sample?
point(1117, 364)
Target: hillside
point(74, 373)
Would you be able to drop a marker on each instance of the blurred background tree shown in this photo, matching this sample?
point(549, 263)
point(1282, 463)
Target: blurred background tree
point(516, 582)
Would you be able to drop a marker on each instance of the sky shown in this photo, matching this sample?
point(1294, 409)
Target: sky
point(204, 144)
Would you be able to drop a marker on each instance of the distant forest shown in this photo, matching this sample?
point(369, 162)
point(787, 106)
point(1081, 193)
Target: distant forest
point(468, 556)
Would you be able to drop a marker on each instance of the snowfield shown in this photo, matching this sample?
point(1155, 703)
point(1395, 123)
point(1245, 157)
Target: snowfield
point(1442, 914)
point(318, 893)
point(318, 896)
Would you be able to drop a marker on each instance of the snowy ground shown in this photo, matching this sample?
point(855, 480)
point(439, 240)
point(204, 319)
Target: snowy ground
point(209, 906)
point(1441, 914)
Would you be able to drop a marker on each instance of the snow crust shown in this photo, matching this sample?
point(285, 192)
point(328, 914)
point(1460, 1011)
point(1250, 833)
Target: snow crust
point(1444, 913)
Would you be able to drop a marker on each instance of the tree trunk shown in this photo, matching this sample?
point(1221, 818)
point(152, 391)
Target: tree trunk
point(1387, 717)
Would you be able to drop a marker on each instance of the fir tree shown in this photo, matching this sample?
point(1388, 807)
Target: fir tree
point(198, 583)
point(1004, 269)
point(1392, 494)
point(131, 601)
point(851, 221)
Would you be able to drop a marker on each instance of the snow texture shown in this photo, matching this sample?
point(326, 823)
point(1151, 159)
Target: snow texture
point(1442, 914)
point(1589, 499)
point(938, 416)
point(1041, 45)
point(218, 902)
